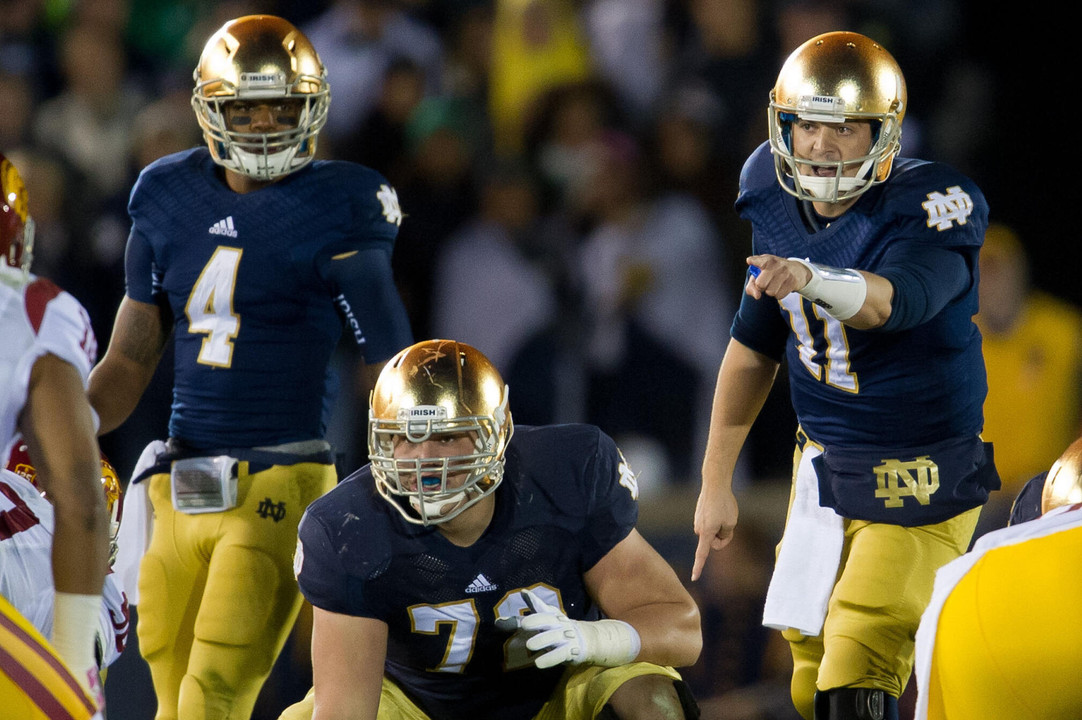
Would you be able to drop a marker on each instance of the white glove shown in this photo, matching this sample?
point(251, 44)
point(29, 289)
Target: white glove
point(559, 639)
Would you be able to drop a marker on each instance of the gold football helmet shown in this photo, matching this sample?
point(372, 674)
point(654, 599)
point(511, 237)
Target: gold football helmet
point(16, 225)
point(434, 389)
point(20, 464)
point(1063, 486)
point(833, 78)
point(260, 58)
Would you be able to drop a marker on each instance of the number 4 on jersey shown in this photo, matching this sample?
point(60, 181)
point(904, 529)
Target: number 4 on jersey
point(210, 307)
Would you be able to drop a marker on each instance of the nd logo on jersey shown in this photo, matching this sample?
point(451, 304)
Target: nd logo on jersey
point(917, 478)
point(945, 210)
point(628, 478)
point(388, 198)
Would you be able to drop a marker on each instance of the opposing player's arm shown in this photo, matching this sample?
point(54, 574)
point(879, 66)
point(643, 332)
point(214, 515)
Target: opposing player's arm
point(135, 348)
point(58, 426)
point(347, 665)
point(59, 431)
point(633, 583)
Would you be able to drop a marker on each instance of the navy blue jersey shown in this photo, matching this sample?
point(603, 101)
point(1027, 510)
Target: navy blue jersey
point(567, 498)
point(260, 286)
point(876, 388)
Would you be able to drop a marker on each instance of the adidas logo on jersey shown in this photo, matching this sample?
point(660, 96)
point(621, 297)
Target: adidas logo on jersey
point(480, 584)
point(224, 227)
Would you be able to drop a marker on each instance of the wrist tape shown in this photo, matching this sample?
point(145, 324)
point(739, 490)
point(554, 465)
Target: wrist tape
point(839, 291)
point(75, 622)
point(611, 643)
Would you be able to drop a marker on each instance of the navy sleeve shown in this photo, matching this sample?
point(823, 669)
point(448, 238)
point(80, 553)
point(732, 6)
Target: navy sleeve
point(761, 326)
point(368, 298)
point(318, 574)
point(925, 279)
point(613, 506)
point(139, 268)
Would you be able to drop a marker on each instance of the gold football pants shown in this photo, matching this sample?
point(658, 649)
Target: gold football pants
point(884, 583)
point(581, 694)
point(217, 596)
point(1009, 638)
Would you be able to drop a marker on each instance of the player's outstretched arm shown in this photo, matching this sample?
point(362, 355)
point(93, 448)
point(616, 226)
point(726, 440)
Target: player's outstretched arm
point(743, 384)
point(635, 584)
point(858, 298)
point(348, 653)
point(118, 381)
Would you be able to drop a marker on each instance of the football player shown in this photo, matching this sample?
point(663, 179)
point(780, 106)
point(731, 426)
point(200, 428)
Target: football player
point(467, 573)
point(26, 553)
point(1000, 637)
point(254, 256)
point(863, 279)
point(45, 357)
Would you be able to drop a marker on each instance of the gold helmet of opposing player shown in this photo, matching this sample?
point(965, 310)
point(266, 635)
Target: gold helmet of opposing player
point(833, 78)
point(16, 225)
point(261, 59)
point(20, 464)
point(1063, 485)
point(431, 390)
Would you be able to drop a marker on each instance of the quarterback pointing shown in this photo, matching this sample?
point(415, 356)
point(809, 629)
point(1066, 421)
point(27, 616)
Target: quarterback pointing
point(256, 258)
point(864, 279)
point(466, 573)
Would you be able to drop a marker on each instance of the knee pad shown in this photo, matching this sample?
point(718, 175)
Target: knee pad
point(855, 704)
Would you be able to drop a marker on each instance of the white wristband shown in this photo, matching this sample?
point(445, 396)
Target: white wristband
point(75, 623)
point(839, 291)
point(610, 643)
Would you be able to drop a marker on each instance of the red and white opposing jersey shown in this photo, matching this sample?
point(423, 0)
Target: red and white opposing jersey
point(26, 574)
point(36, 318)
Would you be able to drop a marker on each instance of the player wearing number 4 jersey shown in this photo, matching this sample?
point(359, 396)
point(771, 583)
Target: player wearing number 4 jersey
point(466, 573)
point(255, 257)
point(865, 282)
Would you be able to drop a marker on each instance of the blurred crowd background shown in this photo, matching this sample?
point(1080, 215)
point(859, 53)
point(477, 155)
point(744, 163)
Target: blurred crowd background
point(567, 170)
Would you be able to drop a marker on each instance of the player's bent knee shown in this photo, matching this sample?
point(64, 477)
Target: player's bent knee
point(651, 697)
point(855, 704)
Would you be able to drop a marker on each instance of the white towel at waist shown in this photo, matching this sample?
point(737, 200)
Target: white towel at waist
point(807, 564)
point(137, 522)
